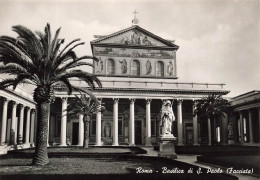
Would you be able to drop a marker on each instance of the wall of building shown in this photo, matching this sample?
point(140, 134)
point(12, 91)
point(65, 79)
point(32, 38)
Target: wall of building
point(124, 58)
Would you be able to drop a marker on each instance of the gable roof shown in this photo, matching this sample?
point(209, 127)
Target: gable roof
point(101, 39)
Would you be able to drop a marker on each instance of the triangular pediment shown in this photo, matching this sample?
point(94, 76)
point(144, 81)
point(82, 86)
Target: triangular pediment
point(135, 36)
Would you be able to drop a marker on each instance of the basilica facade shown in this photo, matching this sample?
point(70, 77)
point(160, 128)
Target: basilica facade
point(138, 72)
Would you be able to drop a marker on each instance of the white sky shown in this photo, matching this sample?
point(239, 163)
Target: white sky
point(219, 40)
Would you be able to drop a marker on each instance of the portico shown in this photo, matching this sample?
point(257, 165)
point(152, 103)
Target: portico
point(18, 117)
point(132, 117)
point(244, 125)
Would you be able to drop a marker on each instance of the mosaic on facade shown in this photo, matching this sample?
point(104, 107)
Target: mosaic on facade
point(140, 53)
point(133, 37)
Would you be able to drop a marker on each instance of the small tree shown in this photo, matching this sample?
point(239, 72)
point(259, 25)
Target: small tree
point(212, 107)
point(85, 106)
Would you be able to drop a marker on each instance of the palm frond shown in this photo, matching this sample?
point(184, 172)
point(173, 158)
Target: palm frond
point(30, 40)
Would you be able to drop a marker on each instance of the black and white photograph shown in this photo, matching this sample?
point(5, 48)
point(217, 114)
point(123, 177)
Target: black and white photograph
point(130, 89)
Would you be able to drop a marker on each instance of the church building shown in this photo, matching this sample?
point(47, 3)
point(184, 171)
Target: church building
point(138, 71)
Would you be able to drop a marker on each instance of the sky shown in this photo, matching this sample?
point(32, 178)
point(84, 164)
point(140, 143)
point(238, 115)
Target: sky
point(219, 39)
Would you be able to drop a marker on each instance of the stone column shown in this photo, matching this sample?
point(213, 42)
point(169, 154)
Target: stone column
point(115, 122)
point(251, 137)
point(98, 126)
point(63, 132)
point(241, 126)
point(195, 127)
point(20, 136)
point(32, 127)
point(27, 129)
point(180, 125)
point(132, 123)
point(81, 131)
point(148, 123)
point(14, 124)
point(4, 120)
point(209, 132)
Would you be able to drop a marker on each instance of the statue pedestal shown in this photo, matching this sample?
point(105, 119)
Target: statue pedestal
point(167, 147)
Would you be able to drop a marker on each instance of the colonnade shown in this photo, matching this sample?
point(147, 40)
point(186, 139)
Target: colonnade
point(116, 102)
point(10, 133)
point(240, 126)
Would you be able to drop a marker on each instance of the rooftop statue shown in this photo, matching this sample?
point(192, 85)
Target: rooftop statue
point(167, 117)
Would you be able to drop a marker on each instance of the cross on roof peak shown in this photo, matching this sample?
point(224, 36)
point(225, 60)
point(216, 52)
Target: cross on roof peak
point(135, 12)
point(135, 20)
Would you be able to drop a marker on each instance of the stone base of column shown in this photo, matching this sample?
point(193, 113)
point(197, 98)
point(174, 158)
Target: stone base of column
point(3, 144)
point(63, 145)
point(148, 145)
point(132, 145)
point(167, 147)
point(115, 144)
point(196, 144)
point(98, 144)
point(32, 145)
point(26, 145)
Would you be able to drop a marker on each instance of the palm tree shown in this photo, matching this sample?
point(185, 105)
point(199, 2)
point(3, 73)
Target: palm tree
point(212, 107)
point(82, 105)
point(38, 59)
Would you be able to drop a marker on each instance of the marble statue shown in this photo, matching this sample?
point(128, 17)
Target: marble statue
point(170, 68)
point(123, 66)
point(148, 67)
point(107, 130)
point(167, 117)
point(100, 66)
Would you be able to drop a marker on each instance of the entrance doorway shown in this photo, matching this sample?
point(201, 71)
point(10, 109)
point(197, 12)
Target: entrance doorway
point(138, 132)
point(75, 133)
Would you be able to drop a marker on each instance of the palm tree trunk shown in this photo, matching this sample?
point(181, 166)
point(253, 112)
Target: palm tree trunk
point(41, 154)
point(86, 125)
